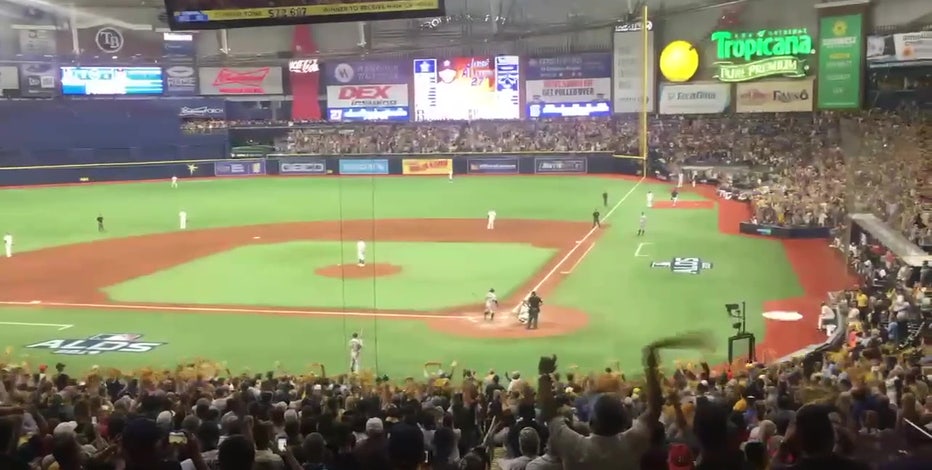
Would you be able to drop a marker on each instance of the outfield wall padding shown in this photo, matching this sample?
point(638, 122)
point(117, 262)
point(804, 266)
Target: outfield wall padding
point(305, 164)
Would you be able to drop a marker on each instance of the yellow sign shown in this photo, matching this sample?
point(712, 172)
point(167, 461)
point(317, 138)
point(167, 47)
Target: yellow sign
point(679, 61)
point(334, 9)
point(436, 166)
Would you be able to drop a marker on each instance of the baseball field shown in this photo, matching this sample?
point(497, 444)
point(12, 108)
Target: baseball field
point(265, 275)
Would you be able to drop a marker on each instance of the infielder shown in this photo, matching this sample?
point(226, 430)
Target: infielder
point(8, 244)
point(490, 224)
point(674, 195)
point(355, 348)
point(642, 224)
point(361, 253)
point(650, 199)
point(174, 181)
point(491, 303)
point(183, 220)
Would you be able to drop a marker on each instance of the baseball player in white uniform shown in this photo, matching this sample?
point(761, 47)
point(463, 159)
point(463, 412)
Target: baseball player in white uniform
point(355, 348)
point(491, 303)
point(174, 181)
point(490, 224)
point(450, 175)
point(642, 224)
point(183, 220)
point(8, 244)
point(361, 253)
point(650, 199)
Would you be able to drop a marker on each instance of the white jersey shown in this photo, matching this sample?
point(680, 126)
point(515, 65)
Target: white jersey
point(650, 197)
point(174, 179)
point(491, 300)
point(8, 240)
point(642, 222)
point(183, 216)
point(361, 246)
point(492, 215)
point(355, 346)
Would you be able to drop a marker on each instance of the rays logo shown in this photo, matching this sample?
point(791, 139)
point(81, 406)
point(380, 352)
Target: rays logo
point(109, 40)
point(98, 344)
point(683, 265)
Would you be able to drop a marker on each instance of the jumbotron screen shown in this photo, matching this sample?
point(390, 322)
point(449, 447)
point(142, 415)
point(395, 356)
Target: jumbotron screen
point(467, 88)
point(223, 14)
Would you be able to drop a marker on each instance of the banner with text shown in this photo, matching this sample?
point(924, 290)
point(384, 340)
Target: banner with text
point(361, 166)
point(492, 166)
point(240, 168)
point(839, 79)
point(435, 166)
point(572, 85)
point(695, 98)
point(900, 50)
point(628, 68)
point(38, 80)
point(179, 47)
point(180, 80)
point(784, 96)
point(38, 42)
point(561, 166)
point(9, 81)
point(302, 166)
point(367, 91)
point(240, 80)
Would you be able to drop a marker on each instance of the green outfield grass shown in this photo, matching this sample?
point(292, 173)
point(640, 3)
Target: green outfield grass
point(433, 276)
point(628, 301)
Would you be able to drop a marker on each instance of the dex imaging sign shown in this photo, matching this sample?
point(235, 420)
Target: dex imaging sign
point(746, 56)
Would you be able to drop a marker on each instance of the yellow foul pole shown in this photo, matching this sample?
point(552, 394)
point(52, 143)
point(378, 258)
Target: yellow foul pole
point(645, 77)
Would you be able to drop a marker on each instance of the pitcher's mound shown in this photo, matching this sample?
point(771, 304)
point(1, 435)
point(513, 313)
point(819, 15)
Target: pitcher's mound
point(353, 271)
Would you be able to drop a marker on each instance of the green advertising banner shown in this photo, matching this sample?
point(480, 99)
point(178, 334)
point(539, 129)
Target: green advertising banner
point(840, 62)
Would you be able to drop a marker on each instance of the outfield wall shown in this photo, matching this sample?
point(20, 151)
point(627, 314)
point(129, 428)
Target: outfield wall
point(311, 165)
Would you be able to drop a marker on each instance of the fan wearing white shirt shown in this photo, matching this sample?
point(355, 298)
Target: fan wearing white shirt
point(490, 224)
point(826, 314)
point(361, 253)
point(8, 244)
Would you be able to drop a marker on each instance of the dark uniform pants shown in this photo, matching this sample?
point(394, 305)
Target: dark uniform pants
point(532, 318)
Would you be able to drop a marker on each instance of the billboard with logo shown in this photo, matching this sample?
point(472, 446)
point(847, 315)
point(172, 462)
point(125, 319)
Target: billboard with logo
point(180, 80)
point(240, 80)
point(467, 88)
point(900, 50)
point(433, 166)
point(367, 91)
point(38, 80)
point(628, 67)
point(38, 42)
point(201, 109)
point(9, 81)
point(745, 56)
point(179, 46)
point(839, 80)
point(106, 41)
point(302, 166)
point(783, 96)
point(695, 98)
point(571, 85)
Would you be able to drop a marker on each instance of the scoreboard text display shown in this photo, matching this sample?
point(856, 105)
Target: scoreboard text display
point(220, 14)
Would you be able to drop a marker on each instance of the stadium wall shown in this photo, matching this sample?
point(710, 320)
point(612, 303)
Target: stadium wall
point(317, 165)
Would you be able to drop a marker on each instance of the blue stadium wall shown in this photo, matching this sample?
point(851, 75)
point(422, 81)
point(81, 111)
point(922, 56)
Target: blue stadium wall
point(324, 166)
point(62, 132)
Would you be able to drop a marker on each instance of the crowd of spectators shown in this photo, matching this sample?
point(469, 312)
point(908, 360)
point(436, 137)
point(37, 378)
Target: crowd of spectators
point(843, 410)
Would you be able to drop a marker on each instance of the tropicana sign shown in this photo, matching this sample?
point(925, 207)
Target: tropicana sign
point(765, 53)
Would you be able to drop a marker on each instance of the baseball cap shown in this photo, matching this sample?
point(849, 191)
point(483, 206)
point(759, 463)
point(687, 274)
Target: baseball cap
point(68, 427)
point(374, 425)
point(680, 457)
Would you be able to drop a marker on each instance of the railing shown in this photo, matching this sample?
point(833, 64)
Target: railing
point(23, 157)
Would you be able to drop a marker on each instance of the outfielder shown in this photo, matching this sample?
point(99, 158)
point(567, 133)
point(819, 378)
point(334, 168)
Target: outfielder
point(491, 303)
point(451, 174)
point(355, 348)
point(174, 181)
point(361, 253)
point(490, 224)
point(8, 244)
point(183, 220)
point(650, 199)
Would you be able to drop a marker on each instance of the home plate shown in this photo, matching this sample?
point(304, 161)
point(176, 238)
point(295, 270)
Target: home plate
point(256, 238)
point(783, 316)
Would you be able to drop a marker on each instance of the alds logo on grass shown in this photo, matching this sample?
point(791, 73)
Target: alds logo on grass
point(98, 344)
point(683, 265)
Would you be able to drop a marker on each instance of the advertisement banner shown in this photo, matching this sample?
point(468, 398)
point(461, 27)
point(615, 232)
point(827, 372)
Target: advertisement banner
point(839, 78)
point(560, 166)
point(364, 167)
point(900, 50)
point(9, 81)
point(374, 72)
point(240, 168)
point(367, 91)
point(492, 166)
point(695, 98)
point(467, 88)
point(302, 166)
point(107, 41)
point(179, 46)
point(240, 80)
point(628, 65)
point(180, 80)
point(367, 96)
point(576, 85)
point(784, 96)
point(38, 80)
point(304, 76)
point(434, 166)
point(38, 42)
point(202, 109)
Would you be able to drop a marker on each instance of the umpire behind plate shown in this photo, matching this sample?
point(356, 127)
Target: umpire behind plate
point(533, 310)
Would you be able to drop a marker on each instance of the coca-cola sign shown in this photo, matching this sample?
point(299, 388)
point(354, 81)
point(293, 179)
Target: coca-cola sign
point(303, 66)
